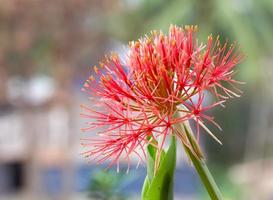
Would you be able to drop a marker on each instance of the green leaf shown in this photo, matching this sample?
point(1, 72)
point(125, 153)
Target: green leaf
point(150, 168)
point(160, 187)
point(151, 161)
point(145, 188)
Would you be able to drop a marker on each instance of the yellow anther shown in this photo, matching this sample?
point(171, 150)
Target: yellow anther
point(173, 42)
point(137, 44)
point(91, 78)
point(149, 40)
point(102, 65)
point(195, 28)
point(188, 27)
point(114, 56)
point(154, 33)
point(131, 44)
point(107, 77)
point(96, 69)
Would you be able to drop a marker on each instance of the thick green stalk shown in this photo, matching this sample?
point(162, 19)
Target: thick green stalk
point(159, 186)
point(201, 167)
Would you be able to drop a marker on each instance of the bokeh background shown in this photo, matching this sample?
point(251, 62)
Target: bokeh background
point(46, 50)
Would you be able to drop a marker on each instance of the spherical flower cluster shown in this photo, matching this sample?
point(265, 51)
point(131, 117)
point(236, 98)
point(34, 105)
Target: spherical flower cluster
point(139, 100)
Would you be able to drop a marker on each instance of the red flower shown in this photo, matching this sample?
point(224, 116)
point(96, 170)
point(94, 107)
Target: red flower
point(139, 100)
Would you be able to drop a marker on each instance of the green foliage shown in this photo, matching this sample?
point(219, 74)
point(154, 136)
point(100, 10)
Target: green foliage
point(105, 185)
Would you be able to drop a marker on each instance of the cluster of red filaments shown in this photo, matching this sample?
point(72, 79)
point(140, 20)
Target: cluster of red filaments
point(162, 82)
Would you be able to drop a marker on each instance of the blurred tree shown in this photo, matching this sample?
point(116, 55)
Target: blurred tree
point(106, 185)
point(36, 34)
point(247, 21)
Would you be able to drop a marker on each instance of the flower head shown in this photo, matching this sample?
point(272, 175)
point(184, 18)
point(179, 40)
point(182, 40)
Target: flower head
point(138, 100)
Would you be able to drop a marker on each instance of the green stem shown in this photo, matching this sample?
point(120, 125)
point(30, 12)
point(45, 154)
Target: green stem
point(202, 169)
point(205, 175)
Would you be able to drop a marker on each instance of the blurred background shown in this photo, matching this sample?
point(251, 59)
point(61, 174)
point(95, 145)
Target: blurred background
point(46, 49)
